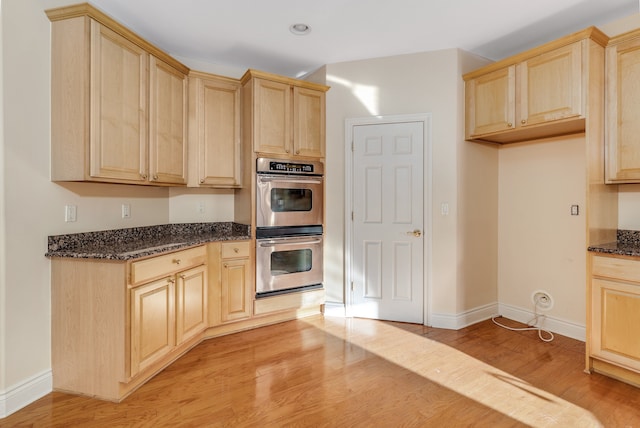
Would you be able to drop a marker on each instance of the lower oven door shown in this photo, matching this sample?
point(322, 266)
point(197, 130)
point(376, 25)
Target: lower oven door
point(288, 263)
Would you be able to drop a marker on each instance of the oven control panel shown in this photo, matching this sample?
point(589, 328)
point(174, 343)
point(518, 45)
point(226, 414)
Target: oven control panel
point(281, 166)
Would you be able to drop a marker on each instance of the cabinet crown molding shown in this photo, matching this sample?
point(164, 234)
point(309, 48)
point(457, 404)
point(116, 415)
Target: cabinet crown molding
point(251, 73)
point(592, 33)
point(89, 11)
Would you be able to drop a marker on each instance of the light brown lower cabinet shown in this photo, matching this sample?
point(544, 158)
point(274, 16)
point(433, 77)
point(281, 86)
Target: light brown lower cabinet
point(115, 324)
point(613, 347)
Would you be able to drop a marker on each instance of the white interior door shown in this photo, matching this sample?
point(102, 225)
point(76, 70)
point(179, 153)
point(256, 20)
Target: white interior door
point(388, 225)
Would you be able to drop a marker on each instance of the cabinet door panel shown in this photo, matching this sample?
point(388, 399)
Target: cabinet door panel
point(490, 102)
point(118, 123)
point(167, 124)
point(235, 294)
point(272, 116)
point(309, 122)
point(191, 303)
point(616, 322)
point(622, 122)
point(215, 136)
point(152, 323)
point(551, 86)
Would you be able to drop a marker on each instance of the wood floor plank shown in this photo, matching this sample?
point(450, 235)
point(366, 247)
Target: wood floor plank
point(336, 372)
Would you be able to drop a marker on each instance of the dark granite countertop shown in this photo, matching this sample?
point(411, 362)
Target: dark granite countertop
point(627, 244)
point(136, 242)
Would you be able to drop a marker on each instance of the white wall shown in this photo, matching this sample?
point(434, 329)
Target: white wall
point(541, 245)
point(408, 84)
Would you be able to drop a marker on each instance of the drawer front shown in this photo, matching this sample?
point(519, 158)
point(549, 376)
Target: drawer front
point(235, 249)
point(167, 264)
point(614, 267)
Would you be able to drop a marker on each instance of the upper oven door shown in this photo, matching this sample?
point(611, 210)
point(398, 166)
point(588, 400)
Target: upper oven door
point(287, 200)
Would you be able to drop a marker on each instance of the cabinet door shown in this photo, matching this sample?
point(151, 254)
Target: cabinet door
point(550, 86)
point(191, 303)
point(118, 123)
point(167, 124)
point(235, 290)
point(272, 117)
point(616, 322)
point(308, 122)
point(623, 112)
point(152, 323)
point(490, 102)
point(215, 136)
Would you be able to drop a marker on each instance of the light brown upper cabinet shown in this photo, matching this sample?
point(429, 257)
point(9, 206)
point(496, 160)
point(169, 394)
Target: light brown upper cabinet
point(286, 117)
point(622, 109)
point(535, 94)
point(214, 131)
point(118, 104)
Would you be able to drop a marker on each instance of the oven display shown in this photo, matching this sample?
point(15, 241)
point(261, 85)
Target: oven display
point(290, 167)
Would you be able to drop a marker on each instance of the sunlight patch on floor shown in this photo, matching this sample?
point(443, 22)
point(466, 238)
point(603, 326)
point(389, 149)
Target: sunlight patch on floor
point(459, 372)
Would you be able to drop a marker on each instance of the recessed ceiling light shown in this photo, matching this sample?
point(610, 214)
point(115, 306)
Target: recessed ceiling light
point(300, 29)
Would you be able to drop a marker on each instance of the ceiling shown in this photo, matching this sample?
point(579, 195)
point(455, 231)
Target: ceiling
point(255, 33)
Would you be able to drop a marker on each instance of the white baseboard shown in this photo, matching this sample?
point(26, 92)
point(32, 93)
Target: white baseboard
point(464, 319)
point(25, 393)
point(554, 325)
point(334, 309)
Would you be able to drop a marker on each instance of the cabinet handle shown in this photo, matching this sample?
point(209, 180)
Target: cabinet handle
point(202, 181)
point(286, 150)
point(176, 261)
point(143, 176)
point(523, 121)
point(510, 125)
point(236, 250)
point(171, 280)
point(183, 277)
point(155, 176)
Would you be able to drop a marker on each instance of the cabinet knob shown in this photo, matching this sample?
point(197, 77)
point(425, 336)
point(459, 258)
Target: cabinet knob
point(202, 181)
point(523, 121)
point(226, 265)
point(236, 250)
point(143, 176)
point(155, 176)
point(510, 125)
point(183, 277)
point(176, 261)
point(297, 152)
point(286, 150)
point(171, 280)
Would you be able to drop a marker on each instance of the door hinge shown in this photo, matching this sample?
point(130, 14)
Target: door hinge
point(351, 215)
point(351, 145)
point(351, 285)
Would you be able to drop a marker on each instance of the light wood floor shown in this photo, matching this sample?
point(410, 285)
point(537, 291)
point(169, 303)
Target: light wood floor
point(361, 373)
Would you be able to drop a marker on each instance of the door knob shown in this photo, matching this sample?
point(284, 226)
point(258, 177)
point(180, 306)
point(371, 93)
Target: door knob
point(417, 233)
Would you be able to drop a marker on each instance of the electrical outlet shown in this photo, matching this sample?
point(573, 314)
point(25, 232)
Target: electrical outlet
point(575, 210)
point(202, 207)
point(126, 211)
point(542, 300)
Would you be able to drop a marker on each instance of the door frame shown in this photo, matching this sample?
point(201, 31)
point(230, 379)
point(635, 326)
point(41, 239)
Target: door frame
point(350, 123)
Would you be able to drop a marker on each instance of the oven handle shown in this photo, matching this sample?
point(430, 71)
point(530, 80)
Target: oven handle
point(289, 241)
point(297, 179)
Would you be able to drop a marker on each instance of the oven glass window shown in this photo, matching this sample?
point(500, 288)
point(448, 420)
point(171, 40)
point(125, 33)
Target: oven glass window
point(286, 262)
point(285, 200)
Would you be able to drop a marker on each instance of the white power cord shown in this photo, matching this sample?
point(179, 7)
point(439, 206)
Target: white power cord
point(531, 323)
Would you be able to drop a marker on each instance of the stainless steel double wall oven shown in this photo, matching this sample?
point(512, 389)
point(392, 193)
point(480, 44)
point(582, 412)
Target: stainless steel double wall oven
point(289, 234)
